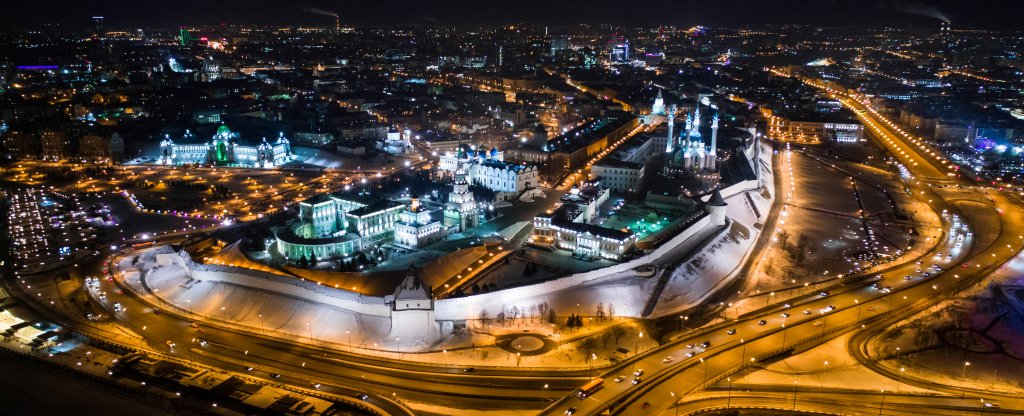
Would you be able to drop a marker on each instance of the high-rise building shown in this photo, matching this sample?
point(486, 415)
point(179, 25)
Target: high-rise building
point(97, 26)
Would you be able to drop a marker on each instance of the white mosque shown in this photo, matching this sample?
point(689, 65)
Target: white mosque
point(687, 153)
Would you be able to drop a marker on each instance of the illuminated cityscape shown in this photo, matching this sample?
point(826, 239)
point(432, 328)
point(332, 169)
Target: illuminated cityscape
point(453, 208)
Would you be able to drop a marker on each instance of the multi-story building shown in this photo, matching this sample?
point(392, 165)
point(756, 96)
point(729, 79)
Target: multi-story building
point(225, 150)
point(419, 225)
point(572, 149)
point(101, 147)
point(337, 226)
point(569, 227)
point(20, 145)
point(618, 175)
point(56, 145)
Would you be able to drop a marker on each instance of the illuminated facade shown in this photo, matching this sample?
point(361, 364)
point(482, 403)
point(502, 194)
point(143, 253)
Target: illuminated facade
point(568, 227)
point(688, 153)
point(224, 150)
point(337, 226)
point(489, 170)
point(418, 226)
point(461, 212)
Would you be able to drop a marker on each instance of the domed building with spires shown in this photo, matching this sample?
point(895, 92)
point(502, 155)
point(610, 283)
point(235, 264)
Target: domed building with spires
point(489, 170)
point(225, 149)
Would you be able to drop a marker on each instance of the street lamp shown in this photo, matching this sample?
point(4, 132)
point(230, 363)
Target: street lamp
point(728, 397)
point(963, 380)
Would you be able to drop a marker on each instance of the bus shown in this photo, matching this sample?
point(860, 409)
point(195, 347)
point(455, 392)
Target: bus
point(591, 387)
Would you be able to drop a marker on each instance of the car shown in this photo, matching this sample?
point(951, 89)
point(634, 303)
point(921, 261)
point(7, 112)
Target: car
point(907, 277)
point(275, 375)
point(871, 308)
point(248, 368)
point(362, 396)
point(705, 344)
point(690, 345)
point(201, 342)
point(823, 293)
point(762, 322)
point(690, 354)
point(157, 312)
point(171, 344)
point(949, 257)
point(807, 311)
point(926, 274)
point(316, 386)
point(731, 331)
point(887, 289)
point(667, 359)
point(937, 267)
point(619, 379)
point(119, 292)
point(828, 308)
point(958, 245)
point(469, 370)
point(639, 372)
point(636, 380)
point(786, 305)
point(194, 325)
point(200, 331)
point(785, 315)
point(570, 410)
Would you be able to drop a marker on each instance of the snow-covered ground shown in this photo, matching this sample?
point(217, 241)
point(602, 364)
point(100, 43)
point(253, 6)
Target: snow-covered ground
point(825, 366)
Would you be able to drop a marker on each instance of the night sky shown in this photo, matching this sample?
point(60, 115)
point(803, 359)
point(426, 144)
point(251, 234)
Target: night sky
point(999, 14)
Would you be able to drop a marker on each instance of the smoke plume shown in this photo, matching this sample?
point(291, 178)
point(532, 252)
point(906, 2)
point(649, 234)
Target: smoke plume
point(922, 10)
point(319, 11)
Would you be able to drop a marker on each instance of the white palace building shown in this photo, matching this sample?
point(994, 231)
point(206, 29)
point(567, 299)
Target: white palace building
point(225, 150)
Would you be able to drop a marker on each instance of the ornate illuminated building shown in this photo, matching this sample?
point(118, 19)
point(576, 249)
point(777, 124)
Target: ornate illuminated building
point(339, 225)
point(569, 226)
point(687, 153)
point(461, 211)
point(419, 225)
point(489, 170)
point(224, 150)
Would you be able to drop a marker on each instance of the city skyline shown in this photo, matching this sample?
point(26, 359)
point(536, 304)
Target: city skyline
point(445, 216)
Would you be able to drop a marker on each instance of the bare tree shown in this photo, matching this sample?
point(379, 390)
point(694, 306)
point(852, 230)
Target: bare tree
point(600, 312)
point(587, 346)
point(617, 332)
